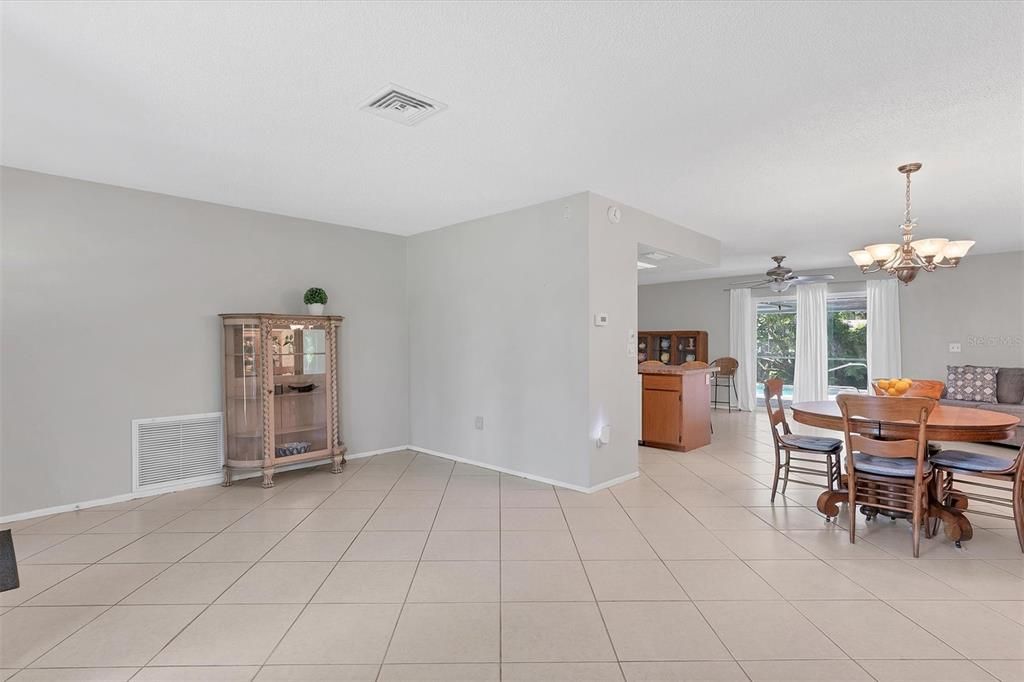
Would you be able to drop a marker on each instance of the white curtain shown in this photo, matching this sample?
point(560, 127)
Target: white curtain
point(884, 349)
point(741, 346)
point(810, 381)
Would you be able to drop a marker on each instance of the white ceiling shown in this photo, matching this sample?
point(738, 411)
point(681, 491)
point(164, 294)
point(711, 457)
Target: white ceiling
point(775, 127)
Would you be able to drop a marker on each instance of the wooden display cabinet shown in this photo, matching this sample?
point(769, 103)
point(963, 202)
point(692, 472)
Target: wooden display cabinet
point(672, 347)
point(280, 392)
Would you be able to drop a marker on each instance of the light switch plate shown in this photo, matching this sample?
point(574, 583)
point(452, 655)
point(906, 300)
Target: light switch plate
point(479, 423)
point(600, 319)
point(954, 348)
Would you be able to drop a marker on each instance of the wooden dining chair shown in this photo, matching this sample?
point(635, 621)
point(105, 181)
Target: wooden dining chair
point(825, 450)
point(893, 475)
point(922, 388)
point(953, 465)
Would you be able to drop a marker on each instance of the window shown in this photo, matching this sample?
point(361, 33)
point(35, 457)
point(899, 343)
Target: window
point(847, 343)
point(776, 343)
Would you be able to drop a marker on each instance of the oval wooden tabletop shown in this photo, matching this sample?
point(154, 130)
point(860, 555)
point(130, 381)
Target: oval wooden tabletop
point(945, 422)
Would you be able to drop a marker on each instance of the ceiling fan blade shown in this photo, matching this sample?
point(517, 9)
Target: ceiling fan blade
point(809, 279)
point(751, 282)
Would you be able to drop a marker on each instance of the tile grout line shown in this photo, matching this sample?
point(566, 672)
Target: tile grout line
point(586, 574)
point(206, 607)
point(95, 563)
point(676, 580)
point(312, 596)
point(746, 562)
point(717, 456)
point(416, 570)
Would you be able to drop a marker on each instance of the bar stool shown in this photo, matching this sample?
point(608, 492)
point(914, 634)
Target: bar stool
point(725, 377)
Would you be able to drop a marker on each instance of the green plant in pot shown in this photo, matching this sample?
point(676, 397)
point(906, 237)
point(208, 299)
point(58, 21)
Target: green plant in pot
point(315, 298)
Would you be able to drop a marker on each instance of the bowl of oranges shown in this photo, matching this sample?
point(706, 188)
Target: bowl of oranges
point(892, 387)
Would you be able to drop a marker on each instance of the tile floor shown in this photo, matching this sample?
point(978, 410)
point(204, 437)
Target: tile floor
point(410, 567)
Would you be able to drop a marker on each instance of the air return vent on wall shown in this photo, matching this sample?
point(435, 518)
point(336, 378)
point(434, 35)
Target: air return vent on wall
point(175, 452)
point(402, 105)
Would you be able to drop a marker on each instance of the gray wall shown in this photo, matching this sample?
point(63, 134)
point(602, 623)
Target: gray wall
point(614, 385)
point(498, 329)
point(109, 310)
point(979, 305)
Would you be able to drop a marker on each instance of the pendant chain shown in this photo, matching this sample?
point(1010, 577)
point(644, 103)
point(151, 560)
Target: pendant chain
point(906, 215)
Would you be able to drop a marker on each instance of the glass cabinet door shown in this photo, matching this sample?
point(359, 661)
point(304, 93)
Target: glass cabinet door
point(243, 410)
point(299, 355)
point(664, 349)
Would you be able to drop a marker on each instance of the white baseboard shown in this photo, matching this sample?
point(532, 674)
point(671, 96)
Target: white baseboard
point(520, 474)
point(371, 453)
point(177, 487)
point(213, 480)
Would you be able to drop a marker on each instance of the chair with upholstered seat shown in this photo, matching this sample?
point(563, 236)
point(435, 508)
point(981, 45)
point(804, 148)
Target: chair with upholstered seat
point(883, 474)
point(954, 465)
point(825, 450)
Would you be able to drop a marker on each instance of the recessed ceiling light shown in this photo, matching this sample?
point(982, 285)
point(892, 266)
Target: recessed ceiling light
point(655, 255)
point(640, 265)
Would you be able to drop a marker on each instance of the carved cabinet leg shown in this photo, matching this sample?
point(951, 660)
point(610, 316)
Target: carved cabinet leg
point(227, 477)
point(338, 463)
point(268, 478)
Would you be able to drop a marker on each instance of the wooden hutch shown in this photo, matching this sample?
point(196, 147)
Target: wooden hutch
point(672, 347)
point(280, 392)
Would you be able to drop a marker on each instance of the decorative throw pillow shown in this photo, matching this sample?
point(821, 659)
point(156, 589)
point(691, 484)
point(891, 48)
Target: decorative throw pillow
point(967, 382)
point(1010, 385)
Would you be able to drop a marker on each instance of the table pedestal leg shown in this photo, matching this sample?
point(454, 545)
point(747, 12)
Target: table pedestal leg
point(829, 501)
point(956, 525)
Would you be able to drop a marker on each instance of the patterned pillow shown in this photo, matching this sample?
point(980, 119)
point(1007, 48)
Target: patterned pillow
point(971, 383)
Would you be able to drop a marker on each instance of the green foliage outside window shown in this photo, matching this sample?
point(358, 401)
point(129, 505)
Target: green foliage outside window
point(847, 347)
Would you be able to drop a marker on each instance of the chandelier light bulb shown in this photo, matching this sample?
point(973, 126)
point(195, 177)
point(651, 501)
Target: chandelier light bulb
point(880, 253)
point(929, 248)
point(957, 249)
point(862, 258)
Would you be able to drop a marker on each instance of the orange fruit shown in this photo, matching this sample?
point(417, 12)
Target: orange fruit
point(883, 384)
point(892, 391)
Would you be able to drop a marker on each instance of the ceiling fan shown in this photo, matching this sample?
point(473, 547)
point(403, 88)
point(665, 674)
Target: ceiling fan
point(781, 278)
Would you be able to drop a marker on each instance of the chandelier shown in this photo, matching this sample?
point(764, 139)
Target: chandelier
point(905, 260)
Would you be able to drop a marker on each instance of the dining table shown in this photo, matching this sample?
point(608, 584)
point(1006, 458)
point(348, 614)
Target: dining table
point(945, 423)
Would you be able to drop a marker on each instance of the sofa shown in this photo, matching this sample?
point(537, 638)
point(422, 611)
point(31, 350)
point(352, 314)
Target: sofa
point(1009, 396)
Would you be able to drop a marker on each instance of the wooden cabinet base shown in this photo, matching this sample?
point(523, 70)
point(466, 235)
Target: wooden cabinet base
point(676, 409)
point(337, 461)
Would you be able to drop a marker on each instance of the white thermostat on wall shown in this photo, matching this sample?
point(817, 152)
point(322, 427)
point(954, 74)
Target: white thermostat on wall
point(600, 319)
point(614, 214)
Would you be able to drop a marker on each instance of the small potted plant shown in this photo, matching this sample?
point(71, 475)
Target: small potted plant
point(315, 298)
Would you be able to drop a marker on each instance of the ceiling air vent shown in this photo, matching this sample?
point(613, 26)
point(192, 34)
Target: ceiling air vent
point(402, 105)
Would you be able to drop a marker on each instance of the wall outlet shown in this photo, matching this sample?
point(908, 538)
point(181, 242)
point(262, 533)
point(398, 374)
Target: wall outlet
point(479, 423)
point(954, 348)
